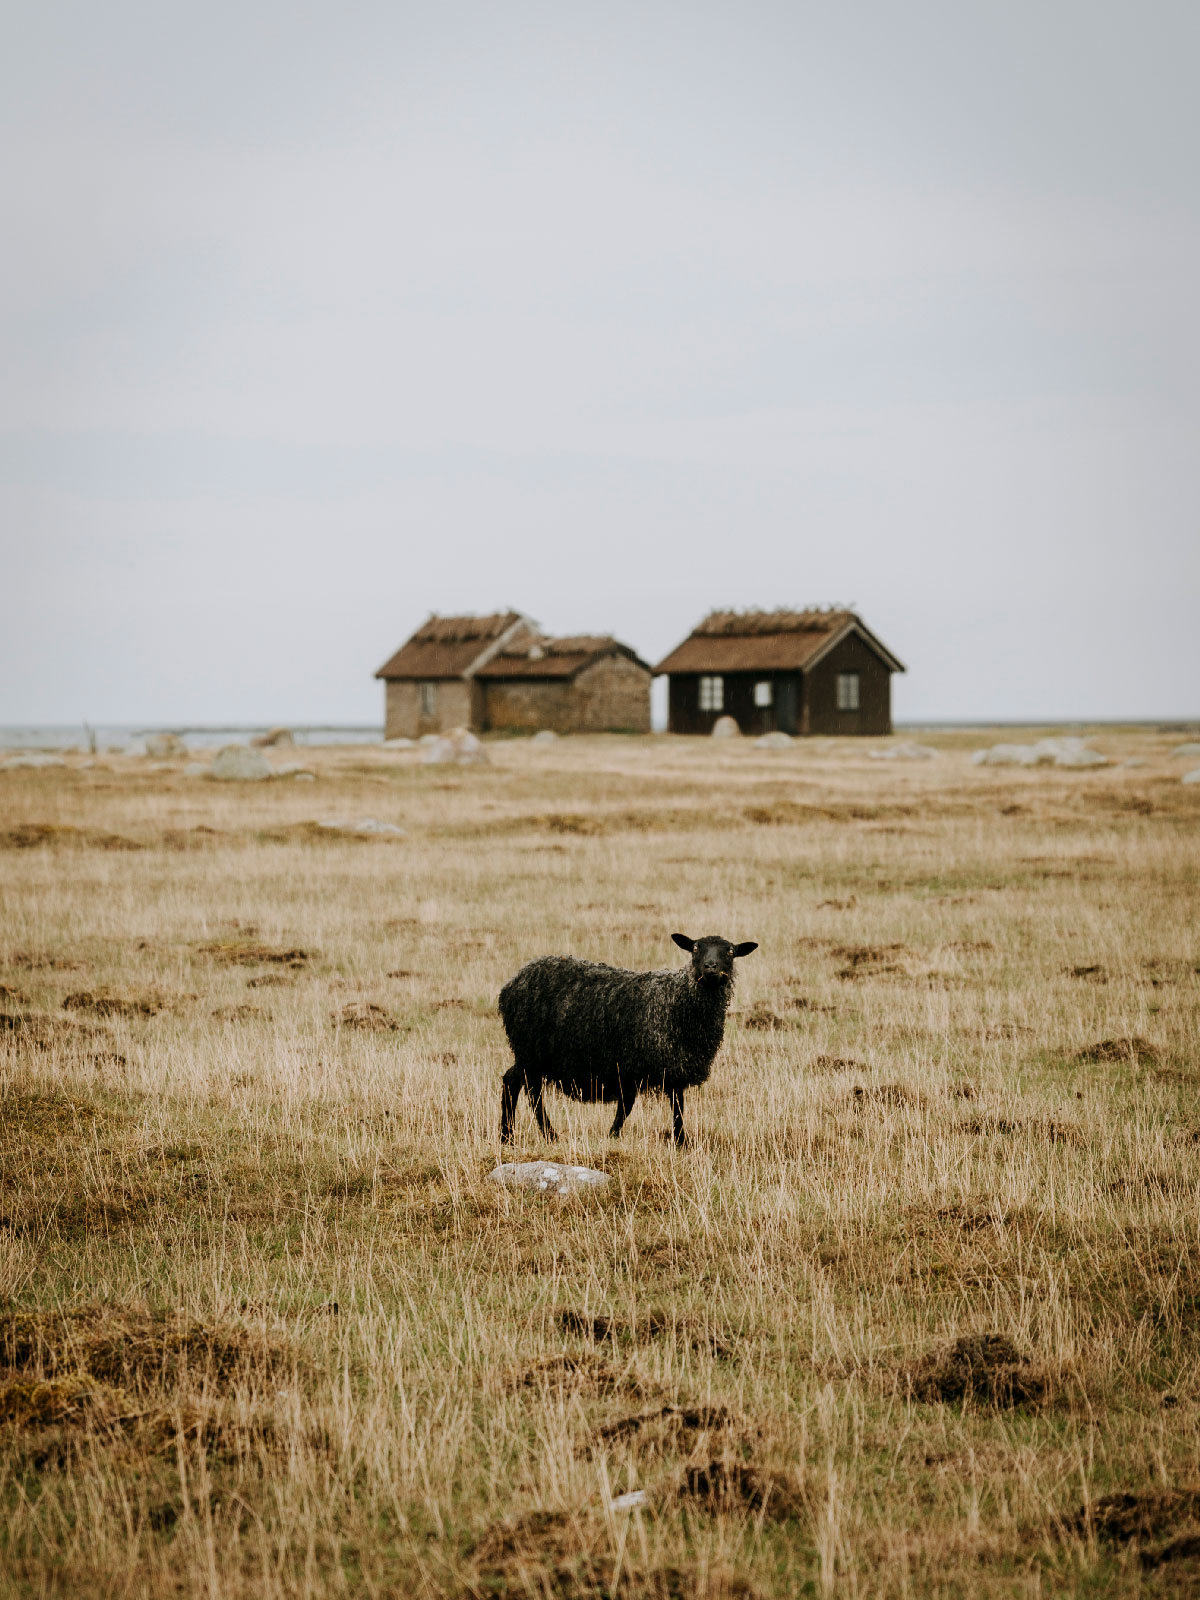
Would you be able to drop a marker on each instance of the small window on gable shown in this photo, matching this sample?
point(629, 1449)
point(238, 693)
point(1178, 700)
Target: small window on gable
point(847, 691)
point(764, 693)
point(712, 693)
point(429, 699)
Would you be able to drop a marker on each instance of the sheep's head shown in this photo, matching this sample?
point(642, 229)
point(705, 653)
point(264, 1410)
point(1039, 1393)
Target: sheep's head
point(712, 957)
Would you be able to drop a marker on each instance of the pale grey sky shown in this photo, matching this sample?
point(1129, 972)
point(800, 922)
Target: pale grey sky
point(316, 318)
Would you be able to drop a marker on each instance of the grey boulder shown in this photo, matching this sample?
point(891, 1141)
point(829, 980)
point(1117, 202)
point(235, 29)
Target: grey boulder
point(547, 1177)
point(238, 763)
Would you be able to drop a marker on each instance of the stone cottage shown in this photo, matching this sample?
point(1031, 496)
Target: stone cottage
point(502, 672)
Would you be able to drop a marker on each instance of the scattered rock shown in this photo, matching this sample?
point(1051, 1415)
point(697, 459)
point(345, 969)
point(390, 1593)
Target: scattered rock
point(459, 747)
point(165, 746)
point(546, 736)
point(399, 743)
point(34, 758)
point(1065, 752)
point(1006, 755)
point(1136, 761)
point(196, 769)
point(1080, 758)
point(726, 728)
point(1187, 751)
point(237, 762)
point(364, 825)
point(273, 736)
point(905, 751)
point(776, 740)
point(1191, 777)
point(547, 1177)
point(294, 769)
point(629, 1501)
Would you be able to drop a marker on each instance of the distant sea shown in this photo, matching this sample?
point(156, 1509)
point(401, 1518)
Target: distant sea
point(131, 738)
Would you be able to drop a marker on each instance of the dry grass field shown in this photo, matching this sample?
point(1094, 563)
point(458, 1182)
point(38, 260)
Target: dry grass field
point(917, 1313)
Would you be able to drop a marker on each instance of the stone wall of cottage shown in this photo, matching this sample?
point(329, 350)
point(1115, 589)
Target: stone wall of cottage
point(613, 693)
point(458, 704)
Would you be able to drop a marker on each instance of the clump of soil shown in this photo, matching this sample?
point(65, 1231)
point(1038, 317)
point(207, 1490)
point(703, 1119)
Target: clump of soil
point(75, 1400)
point(102, 1004)
point(1093, 974)
point(14, 996)
point(39, 961)
point(688, 1418)
point(835, 1064)
point(986, 1368)
point(722, 1485)
point(242, 1013)
point(886, 1094)
point(40, 1031)
point(29, 835)
point(367, 1016)
point(588, 1373)
point(1132, 1051)
point(1126, 1517)
point(760, 1016)
point(248, 953)
point(656, 1325)
point(869, 961)
point(128, 1348)
point(268, 980)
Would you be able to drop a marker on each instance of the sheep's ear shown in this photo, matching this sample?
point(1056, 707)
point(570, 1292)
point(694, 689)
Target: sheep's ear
point(744, 949)
point(684, 943)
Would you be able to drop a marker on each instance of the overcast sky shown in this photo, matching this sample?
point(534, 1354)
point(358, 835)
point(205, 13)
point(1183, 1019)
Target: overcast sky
point(316, 318)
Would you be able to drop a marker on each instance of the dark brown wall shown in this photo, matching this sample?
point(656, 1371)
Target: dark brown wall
point(874, 714)
point(685, 716)
point(815, 691)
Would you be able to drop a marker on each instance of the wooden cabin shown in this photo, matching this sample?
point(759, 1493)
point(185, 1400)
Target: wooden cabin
point(500, 672)
point(802, 672)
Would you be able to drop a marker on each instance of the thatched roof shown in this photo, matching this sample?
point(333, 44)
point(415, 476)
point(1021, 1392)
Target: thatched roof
point(769, 641)
point(448, 647)
point(554, 658)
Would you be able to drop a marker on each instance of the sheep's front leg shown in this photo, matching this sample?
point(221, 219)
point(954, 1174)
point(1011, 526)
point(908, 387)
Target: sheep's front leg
point(625, 1098)
point(510, 1089)
point(677, 1117)
point(533, 1088)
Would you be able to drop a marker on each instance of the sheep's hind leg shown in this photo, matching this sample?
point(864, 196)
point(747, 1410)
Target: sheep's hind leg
point(533, 1088)
point(511, 1085)
point(625, 1099)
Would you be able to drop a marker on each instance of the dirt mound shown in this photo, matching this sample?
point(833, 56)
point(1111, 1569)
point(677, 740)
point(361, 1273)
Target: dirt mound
point(367, 1016)
point(869, 961)
point(587, 1373)
point(1124, 1518)
point(886, 1094)
point(835, 1064)
point(725, 1485)
point(241, 1013)
point(102, 1004)
point(248, 953)
point(694, 1419)
point(986, 1368)
point(1132, 1051)
point(761, 1017)
point(39, 1031)
point(133, 1349)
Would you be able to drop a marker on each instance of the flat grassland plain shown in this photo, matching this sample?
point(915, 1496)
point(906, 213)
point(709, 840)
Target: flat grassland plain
point(917, 1313)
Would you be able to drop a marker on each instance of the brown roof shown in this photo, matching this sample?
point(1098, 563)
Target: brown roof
point(768, 641)
point(446, 647)
point(555, 658)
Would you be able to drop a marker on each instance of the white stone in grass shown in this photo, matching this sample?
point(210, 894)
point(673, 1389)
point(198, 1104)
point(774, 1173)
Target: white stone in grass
point(237, 762)
point(165, 745)
point(545, 736)
point(1006, 755)
point(1191, 777)
point(34, 758)
point(547, 1177)
point(630, 1501)
point(1082, 757)
point(726, 728)
point(398, 743)
point(775, 740)
point(196, 769)
point(904, 751)
point(1136, 761)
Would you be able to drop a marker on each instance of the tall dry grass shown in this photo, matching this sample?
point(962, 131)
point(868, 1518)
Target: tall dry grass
point(922, 1296)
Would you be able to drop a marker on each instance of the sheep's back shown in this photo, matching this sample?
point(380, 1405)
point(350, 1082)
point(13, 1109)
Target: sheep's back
point(577, 1019)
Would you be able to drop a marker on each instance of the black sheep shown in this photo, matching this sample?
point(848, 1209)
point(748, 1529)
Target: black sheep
point(601, 1033)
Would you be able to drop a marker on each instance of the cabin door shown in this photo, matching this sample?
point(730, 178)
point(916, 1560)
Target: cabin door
point(785, 704)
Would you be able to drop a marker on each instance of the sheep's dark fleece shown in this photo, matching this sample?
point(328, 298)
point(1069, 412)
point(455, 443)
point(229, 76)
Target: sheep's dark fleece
point(601, 1033)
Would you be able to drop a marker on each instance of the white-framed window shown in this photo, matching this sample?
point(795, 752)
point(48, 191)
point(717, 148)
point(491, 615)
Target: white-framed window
point(847, 691)
point(764, 693)
point(712, 693)
point(429, 699)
